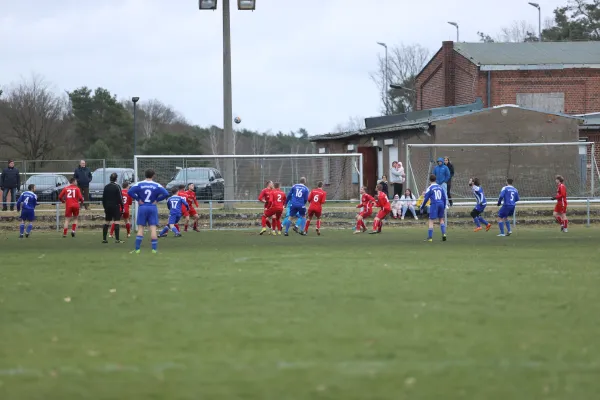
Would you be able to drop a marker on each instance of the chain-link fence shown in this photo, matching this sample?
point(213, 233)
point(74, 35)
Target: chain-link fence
point(533, 167)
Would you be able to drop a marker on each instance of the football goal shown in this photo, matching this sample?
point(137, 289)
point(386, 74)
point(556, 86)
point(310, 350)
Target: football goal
point(241, 177)
point(532, 166)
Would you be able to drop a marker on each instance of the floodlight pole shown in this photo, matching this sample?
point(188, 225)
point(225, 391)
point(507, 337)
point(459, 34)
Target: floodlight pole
point(227, 105)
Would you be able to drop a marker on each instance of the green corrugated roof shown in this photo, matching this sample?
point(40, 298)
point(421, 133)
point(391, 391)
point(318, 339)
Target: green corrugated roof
point(533, 54)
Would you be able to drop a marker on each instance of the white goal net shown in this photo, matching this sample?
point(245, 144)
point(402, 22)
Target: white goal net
point(242, 177)
point(532, 166)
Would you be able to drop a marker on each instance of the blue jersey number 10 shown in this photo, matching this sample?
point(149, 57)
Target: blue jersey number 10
point(437, 194)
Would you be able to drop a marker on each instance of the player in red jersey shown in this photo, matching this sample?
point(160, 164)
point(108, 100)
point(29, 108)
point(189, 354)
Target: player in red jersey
point(127, 201)
point(265, 198)
point(560, 210)
point(316, 198)
point(366, 205)
point(185, 212)
point(71, 196)
point(277, 200)
point(385, 207)
point(190, 197)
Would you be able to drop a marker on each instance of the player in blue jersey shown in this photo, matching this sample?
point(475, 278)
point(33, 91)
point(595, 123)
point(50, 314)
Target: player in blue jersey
point(27, 201)
point(147, 193)
point(436, 195)
point(480, 206)
point(297, 197)
point(509, 196)
point(175, 204)
point(286, 221)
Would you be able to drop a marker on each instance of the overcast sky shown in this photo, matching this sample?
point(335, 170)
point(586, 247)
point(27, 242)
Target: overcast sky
point(295, 63)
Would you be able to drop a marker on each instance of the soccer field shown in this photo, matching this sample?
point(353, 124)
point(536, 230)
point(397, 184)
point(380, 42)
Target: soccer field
point(234, 315)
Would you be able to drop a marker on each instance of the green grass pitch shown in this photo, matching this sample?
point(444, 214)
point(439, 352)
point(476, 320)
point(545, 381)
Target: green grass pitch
point(234, 315)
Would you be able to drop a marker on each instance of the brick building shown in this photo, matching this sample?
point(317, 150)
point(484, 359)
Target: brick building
point(384, 141)
point(555, 77)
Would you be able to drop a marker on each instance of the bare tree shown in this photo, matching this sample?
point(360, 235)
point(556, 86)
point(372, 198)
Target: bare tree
point(404, 63)
point(353, 124)
point(34, 119)
point(155, 114)
point(517, 32)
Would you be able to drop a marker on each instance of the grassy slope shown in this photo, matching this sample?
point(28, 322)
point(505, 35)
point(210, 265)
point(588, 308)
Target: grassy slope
point(236, 315)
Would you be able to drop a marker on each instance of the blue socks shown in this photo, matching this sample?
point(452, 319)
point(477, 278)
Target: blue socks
point(443, 228)
point(154, 244)
point(507, 226)
point(483, 221)
point(287, 224)
point(174, 230)
point(138, 242)
point(165, 230)
point(501, 226)
point(430, 233)
point(301, 223)
point(476, 220)
point(21, 229)
point(29, 228)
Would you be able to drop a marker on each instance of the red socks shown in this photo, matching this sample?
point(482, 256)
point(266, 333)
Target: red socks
point(73, 227)
point(563, 222)
point(318, 224)
point(263, 221)
point(307, 225)
point(65, 232)
point(185, 227)
point(112, 229)
point(195, 225)
point(128, 227)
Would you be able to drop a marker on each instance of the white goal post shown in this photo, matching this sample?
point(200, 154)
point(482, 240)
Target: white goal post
point(341, 174)
point(532, 166)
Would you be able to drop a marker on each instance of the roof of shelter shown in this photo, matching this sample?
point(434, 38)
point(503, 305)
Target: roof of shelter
point(423, 122)
point(531, 55)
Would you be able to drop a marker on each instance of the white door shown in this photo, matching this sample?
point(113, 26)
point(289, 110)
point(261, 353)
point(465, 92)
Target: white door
point(379, 163)
point(393, 155)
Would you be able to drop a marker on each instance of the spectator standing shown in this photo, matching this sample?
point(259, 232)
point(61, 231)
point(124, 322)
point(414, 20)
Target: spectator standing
point(10, 182)
point(408, 201)
point(84, 177)
point(397, 177)
point(396, 207)
point(442, 176)
point(384, 185)
point(451, 169)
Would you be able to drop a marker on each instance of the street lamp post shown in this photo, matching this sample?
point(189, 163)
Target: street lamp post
point(536, 5)
point(249, 5)
point(456, 26)
point(385, 77)
point(134, 100)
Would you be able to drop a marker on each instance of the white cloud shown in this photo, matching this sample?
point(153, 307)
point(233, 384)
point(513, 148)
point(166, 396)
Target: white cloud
point(295, 63)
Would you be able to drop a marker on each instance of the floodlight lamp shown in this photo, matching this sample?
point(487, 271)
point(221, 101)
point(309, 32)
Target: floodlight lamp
point(247, 5)
point(207, 4)
point(135, 99)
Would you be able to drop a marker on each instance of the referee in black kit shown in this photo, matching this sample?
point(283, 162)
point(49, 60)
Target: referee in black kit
point(112, 201)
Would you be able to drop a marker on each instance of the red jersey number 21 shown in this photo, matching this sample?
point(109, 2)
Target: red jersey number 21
point(70, 193)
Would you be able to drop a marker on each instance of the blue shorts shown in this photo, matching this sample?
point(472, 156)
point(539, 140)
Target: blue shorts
point(297, 211)
point(437, 211)
point(480, 208)
point(506, 211)
point(27, 215)
point(174, 219)
point(147, 216)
